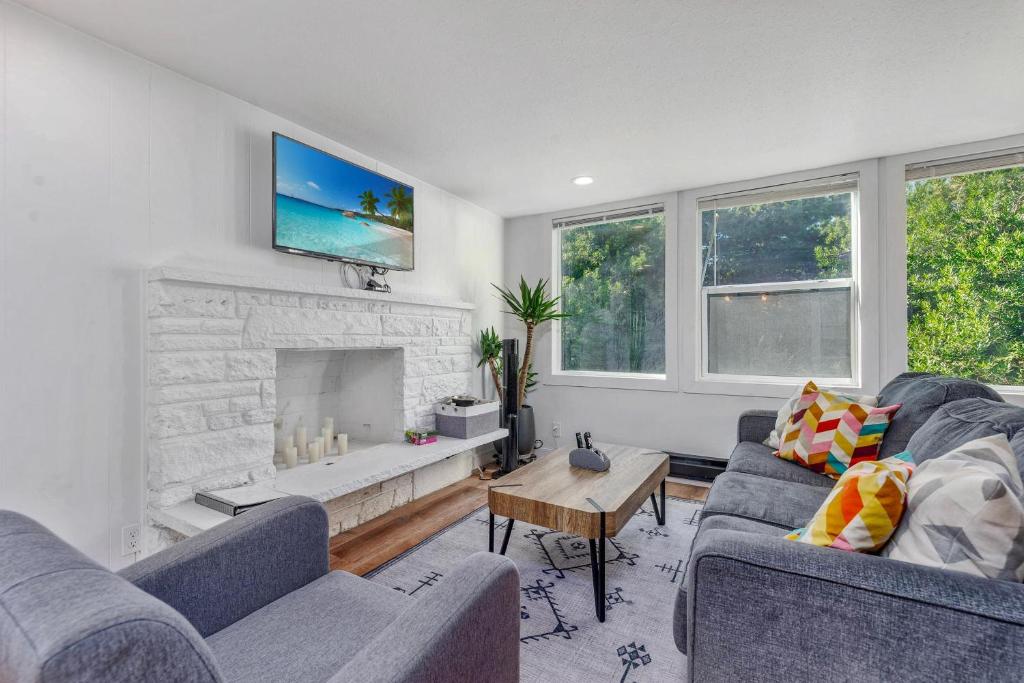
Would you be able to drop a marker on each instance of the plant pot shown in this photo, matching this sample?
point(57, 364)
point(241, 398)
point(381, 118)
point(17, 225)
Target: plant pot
point(527, 432)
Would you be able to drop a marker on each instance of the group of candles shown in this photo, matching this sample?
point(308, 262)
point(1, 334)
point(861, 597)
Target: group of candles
point(298, 446)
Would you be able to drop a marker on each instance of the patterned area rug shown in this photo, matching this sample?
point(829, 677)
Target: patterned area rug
point(561, 638)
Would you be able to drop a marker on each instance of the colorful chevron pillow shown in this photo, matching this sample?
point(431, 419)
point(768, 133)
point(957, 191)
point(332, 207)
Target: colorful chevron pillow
point(863, 509)
point(829, 433)
point(786, 412)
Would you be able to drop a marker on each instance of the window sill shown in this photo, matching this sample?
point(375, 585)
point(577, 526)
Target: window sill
point(612, 380)
point(765, 387)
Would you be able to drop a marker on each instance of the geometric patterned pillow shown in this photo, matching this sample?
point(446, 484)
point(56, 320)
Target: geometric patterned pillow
point(964, 512)
point(828, 433)
point(863, 508)
point(786, 411)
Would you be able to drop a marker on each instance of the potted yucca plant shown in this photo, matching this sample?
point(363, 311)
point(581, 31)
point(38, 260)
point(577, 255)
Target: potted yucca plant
point(533, 306)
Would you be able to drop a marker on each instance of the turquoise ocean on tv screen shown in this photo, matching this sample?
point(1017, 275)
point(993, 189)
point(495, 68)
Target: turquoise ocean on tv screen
point(311, 227)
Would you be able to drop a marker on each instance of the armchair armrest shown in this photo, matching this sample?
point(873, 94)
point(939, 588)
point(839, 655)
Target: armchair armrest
point(467, 629)
point(755, 425)
point(219, 576)
point(879, 619)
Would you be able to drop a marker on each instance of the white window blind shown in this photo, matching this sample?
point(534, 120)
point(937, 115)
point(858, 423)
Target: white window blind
point(779, 193)
point(609, 217)
point(966, 164)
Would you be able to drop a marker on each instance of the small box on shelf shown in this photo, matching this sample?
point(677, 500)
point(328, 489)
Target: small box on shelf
point(420, 438)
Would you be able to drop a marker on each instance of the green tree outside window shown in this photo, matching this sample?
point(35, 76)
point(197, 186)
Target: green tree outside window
point(965, 276)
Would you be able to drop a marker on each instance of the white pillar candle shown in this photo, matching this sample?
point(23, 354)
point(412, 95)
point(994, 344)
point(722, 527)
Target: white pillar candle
point(342, 444)
point(291, 456)
point(311, 450)
point(329, 437)
point(325, 434)
point(300, 441)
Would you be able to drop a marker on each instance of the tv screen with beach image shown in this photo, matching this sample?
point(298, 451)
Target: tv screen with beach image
point(330, 208)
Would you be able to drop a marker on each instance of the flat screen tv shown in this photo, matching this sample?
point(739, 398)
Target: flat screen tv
point(332, 209)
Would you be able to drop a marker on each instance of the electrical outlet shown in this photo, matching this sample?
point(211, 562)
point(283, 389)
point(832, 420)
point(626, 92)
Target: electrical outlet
point(131, 539)
point(556, 429)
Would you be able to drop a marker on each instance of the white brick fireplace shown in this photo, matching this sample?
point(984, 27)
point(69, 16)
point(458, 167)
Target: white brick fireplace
point(224, 353)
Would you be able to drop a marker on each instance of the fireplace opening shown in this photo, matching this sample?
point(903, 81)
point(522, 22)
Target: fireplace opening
point(360, 389)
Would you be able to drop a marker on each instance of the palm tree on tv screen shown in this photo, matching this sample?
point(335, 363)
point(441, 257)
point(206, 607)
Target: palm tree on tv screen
point(400, 205)
point(368, 200)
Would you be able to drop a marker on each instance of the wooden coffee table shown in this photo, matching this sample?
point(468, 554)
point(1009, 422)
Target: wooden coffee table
point(594, 505)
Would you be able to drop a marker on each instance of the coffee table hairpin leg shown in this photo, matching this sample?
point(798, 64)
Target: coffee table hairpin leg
point(597, 557)
point(508, 528)
point(490, 539)
point(659, 510)
point(508, 534)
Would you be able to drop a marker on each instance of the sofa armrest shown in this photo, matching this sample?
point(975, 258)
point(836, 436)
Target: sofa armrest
point(467, 629)
point(755, 425)
point(219, 576)
point(878, 619)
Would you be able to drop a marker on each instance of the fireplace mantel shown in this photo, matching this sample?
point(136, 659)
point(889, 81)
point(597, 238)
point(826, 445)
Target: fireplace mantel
point(202, 277)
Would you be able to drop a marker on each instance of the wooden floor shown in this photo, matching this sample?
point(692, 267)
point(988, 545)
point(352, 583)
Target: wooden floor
point(370, 545)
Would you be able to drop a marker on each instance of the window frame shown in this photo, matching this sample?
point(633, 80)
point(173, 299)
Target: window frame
point(977, 154)
point(552, 374)
point(865, 290)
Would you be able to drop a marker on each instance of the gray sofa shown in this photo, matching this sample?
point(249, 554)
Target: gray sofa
point(757, 607)
point(251, 600)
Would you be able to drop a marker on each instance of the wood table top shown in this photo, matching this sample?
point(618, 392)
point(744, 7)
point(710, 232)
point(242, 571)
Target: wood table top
point(550, 492)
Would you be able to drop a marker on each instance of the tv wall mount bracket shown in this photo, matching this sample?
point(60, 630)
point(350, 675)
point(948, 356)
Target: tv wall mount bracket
point(373, 285)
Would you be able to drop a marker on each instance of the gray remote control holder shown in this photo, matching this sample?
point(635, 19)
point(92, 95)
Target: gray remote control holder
point(589, 459)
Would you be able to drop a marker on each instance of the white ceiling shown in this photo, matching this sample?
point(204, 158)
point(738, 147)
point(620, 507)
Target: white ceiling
point(502, 102)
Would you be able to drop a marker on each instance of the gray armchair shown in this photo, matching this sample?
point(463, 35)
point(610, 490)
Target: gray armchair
point(250, 600)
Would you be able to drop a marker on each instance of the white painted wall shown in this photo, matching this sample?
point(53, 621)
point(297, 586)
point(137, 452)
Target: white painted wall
point(701, 417)
point(112, 165)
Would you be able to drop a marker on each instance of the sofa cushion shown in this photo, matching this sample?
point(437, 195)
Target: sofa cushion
point(730, 523)
point(781, 503)
point(308, 634)
point(65, 618)
point(957, 423)
point(754, 458)
point(921, 394)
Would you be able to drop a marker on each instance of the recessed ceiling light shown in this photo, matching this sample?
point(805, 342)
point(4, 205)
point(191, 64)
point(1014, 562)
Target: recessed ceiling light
point(582, 180)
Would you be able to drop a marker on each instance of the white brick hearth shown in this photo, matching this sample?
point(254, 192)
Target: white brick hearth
point(212, 352)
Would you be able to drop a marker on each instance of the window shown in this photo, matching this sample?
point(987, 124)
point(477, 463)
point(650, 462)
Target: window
point(778, 282)
point(965, 268)
point(611, 279)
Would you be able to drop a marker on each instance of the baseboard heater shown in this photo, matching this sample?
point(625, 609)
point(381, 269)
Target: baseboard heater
point(695, 466)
